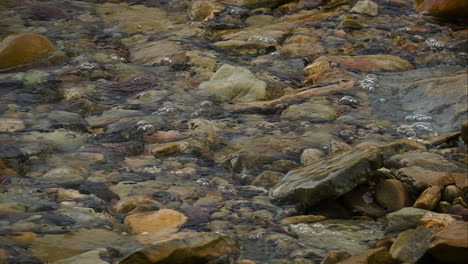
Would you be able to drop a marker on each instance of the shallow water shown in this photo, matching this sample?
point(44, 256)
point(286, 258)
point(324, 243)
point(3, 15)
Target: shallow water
point(124, 115)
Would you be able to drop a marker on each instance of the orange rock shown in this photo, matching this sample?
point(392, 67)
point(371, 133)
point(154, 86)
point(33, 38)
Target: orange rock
point(25, 49)
point(429, 198)
point(392, 194)
point(448, 9)
point(372, 256)
point(166, 221)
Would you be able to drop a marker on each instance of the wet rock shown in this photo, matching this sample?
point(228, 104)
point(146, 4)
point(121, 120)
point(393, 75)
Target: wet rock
point(161, 52)
point(60, 119)
point(464, 132)
point(316, 110)
point(451, 245)
point(411, 244)
point(63, 176)
point(189, 248)
point(302, 219)
point(334, 175)
point(366, 7)
point(335, 257)
point(164, 221)
point(455, 9)
point(90, 257)
point(302, 46)
point(392, 194)
point(241, 48)
point(11, 125)
point(372, 256)
point(421, 179)
point(26, 49)
point(136, 204)
point(409, 217)
point(451, 192)
point(310, 156)
point(427, 160)
point(235, 84)
point(328, 67)
point(437, 221)
point(130, 188)
point(351, 24)
point(267, 179)
point(429, 198)
point(257, 3)
point(459, 210)
point(201, 10)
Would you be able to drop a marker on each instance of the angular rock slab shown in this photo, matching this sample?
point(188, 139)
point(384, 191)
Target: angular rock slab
point(336, 175)
point(187, 248)
point(451, 245)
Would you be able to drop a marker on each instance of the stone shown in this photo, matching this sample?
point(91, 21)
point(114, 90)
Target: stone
point(90, 257)
point(464, 132)
point(355, 201)
point(351, 23)
point(187, 248)
point(158, 52)
point(451, 192)
point(26, 49)
point(372, 256)
point(302, 46)
point(422, 179)
point(63, 176)
point(335, 257)
point(366, 7)
point(164, 221)
point(429, 198)
point(135, 204)
point(310, 156)
point(436, 221)
point(451, 245)
point(241, 48)
point(411, 244)
point(317, 109)
point(11, 124)
point(425, 160)
point(392, 194)
point(329, 68)
point(267, 179)
point(459, 210)
point(335, 175)
point(302, 219)
point(447, 9)
point(404, 219)
point(235, 84)
point(200, 10)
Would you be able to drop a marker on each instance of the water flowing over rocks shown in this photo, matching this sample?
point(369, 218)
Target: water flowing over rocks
point(233, 131)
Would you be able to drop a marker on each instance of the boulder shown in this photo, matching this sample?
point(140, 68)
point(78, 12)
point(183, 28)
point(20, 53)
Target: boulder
point(366, 7)
point(451, 245)
point(447, 9)
point(422, 179)
point(187, 248)
point(336, 175)
point(164, 221)
point(235, 84)
point(27, 49)
point(410, 217)
point(429, 198)
point(372, 256)
point(411, 244)
point(392, 194)
point(464, 132)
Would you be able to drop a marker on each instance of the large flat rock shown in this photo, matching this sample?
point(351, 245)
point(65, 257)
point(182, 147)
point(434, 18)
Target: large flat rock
point(336, 175)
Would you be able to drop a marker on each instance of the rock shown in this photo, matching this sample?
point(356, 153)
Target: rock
point(267, 179)
point(158, 52)
point(410, 217)
point(425, 160)
point(448, 9)
point(135, 204)
point(63, 176)
point(27, 49)
point(392, 194)
point(335, 257)
point(335, 175)
point(372, 256)
point(411, 244)
point(11, 124)
point(242, 48)
point(329, 68)
point(235, 84)
point(302, 46)
point(164, 221)
point(302, 219)
point(422, 179)
point(429, 198)
point(464, 132)
point(187, 248)
point(310, 156)
point(366, 7)
point(257, 3)
point(436, 221)
point(318, 109)
point(459, 210)
point(451, 192)
point(351, 23)
point(201, 10)
point(90, 257)
point(451, 245)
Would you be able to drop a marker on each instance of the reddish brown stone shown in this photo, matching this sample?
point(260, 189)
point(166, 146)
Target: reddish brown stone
point(449, 9)
point(392, 194)
point(429, 198)
point(451, 244)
